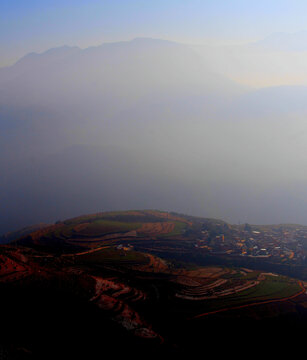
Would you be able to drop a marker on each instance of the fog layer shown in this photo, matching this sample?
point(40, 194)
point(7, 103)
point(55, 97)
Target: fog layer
point(147, 124)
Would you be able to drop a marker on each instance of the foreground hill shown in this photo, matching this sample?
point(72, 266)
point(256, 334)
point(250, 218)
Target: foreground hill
point(144, 279)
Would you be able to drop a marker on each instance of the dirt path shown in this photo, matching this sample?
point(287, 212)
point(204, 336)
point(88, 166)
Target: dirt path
point(86, 252)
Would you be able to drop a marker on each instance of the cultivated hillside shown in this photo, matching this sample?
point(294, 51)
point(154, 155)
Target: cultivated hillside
point(152, 281)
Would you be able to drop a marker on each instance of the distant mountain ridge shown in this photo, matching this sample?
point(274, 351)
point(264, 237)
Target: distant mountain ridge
point(284, 41)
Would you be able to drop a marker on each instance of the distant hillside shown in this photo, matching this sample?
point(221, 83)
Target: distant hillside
point(14, 235)
point(67, 96)
point(91, 231)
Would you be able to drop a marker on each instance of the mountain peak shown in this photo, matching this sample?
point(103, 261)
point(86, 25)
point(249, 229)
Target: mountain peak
point(152, 41)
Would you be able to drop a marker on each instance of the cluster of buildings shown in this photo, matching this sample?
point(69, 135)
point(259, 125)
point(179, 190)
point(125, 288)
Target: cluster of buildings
point(282, 243)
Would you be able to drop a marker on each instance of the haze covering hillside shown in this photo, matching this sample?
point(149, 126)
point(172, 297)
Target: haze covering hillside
point(276, 60)
point(146, 124)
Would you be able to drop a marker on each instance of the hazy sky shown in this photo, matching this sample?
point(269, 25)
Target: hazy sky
point(36, 25)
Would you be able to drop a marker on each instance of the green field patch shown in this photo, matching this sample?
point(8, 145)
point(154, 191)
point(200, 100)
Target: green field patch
point(114, 256)
point(91, 229)
point(94, 217)
point(230, 275)
point(251, 275)
point(62, 233)
point(271, 288)
point(101, 227)
point(179, 229)
point(120, 216)
point(242, 275)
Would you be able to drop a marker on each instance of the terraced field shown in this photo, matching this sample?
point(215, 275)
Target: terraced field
point(226, 293)
point(204, 289)
point(96, 230)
